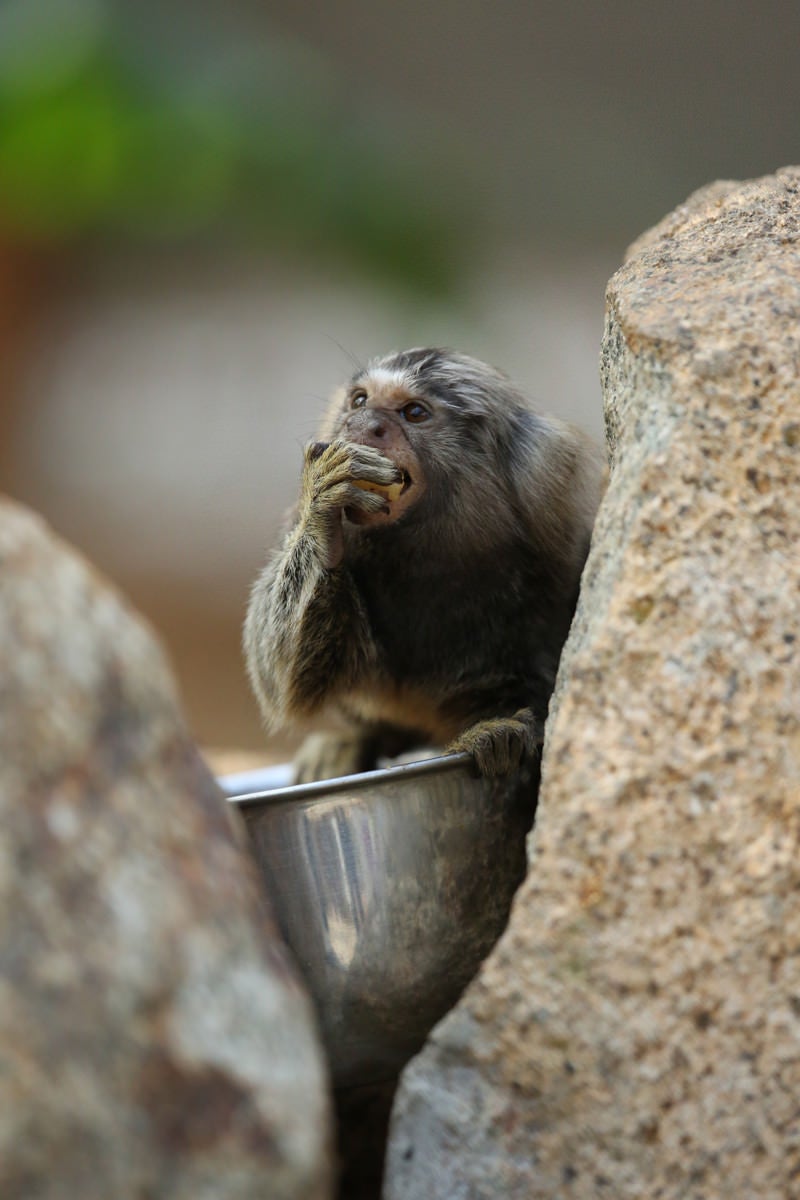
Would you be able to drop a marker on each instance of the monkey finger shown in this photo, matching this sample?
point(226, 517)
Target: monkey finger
point(531, 731)
point(490, 754)
point(368, 463)
point(516, 747)
point(346, 495)
point(369, 502)
point(498, 751)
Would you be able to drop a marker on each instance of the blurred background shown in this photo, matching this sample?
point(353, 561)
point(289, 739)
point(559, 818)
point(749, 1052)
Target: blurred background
point(210, 211)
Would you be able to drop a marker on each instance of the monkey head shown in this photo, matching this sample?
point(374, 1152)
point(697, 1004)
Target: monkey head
point(470, 450)
point(424, 410)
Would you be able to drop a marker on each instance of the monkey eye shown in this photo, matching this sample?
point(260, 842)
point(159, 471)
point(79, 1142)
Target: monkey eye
point(415, 413)
point(358, 399)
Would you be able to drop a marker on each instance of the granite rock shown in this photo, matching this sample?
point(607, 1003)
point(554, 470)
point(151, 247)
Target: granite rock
point(154, 1042)
point(636, 1032)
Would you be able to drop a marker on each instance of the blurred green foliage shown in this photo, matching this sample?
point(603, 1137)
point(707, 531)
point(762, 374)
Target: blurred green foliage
point(97, 137)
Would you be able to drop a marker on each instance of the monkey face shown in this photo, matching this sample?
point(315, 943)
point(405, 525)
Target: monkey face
point(379, 411)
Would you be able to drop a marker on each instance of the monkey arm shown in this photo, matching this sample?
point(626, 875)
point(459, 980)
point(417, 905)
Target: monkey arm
point(306, 634)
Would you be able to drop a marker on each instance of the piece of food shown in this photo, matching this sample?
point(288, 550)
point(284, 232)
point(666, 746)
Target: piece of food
point(390, 490)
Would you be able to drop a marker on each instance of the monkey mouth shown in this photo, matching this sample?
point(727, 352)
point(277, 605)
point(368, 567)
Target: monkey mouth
point(397, 497)
point(401, 487)
point(390, 491)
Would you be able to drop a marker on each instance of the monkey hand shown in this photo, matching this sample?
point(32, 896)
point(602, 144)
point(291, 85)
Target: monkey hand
point(501, 744)
point(330, 471)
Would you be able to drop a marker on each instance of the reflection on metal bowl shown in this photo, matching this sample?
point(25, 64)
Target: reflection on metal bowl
point(390, 888)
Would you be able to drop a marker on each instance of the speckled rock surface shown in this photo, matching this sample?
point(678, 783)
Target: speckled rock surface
point(153, 1040)
point(636, 1033)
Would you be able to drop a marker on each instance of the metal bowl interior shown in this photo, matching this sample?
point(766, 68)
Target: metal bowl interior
point(390, 888)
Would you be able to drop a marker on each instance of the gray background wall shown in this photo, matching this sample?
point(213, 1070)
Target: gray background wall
point(161, 396)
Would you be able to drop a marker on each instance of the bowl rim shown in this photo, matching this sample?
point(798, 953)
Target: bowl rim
point(325, 788)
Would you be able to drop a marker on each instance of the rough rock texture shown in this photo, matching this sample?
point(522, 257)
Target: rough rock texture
point(637, 1031)
point(153, 1041)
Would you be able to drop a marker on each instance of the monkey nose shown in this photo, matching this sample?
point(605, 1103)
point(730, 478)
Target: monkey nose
point(372, 426)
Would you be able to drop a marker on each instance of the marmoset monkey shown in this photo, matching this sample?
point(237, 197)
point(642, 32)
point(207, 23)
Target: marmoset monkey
point(427, 584)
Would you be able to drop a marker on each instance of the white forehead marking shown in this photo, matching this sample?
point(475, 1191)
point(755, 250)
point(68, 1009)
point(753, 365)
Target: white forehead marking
point(384, 377)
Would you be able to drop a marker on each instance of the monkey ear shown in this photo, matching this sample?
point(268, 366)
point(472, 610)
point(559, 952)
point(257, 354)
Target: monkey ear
point(560, 476)
point(521, 444)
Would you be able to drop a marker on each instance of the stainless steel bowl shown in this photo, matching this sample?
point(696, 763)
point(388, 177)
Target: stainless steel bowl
point(390, 888)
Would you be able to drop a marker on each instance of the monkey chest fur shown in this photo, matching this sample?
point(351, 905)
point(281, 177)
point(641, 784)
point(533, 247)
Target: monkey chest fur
point(454, 641)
